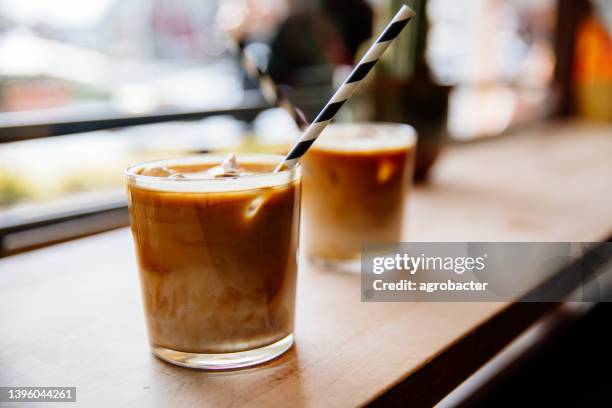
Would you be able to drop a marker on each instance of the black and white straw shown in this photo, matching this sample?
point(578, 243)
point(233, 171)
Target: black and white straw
point(268, 88)
point(350, 84)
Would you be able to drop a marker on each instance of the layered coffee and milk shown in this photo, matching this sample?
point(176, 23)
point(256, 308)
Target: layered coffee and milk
point(216, 246)
point(356, 179)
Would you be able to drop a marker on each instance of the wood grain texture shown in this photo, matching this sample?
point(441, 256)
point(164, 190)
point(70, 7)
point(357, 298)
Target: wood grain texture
point(70, 315)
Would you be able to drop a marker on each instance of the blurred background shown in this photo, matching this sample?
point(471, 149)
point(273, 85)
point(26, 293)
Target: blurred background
point(87, 88)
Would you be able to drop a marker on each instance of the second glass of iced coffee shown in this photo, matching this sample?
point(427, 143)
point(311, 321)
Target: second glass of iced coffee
point(356, 180)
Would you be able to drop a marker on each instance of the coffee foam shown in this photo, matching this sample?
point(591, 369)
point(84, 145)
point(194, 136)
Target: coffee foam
point(225, 177)
point(365, 138)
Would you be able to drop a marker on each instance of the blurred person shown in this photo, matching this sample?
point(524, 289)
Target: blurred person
point(315, 36)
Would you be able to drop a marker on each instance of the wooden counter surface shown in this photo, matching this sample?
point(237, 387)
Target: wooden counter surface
point(71, 315)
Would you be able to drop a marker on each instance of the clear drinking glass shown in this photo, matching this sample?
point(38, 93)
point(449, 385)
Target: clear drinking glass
point(356, 180)
point(217, 258)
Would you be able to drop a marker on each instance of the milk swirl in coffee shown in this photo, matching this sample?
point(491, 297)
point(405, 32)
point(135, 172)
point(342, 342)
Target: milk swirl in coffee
point(216, 247)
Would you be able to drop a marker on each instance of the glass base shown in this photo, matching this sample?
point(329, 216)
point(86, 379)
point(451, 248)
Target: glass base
point(352, 266)
point(225, 361)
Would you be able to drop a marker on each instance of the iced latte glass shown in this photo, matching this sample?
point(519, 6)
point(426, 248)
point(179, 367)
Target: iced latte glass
point(217, 254)
point(356, 179)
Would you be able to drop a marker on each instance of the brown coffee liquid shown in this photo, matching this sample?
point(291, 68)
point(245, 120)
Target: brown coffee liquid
point(218, 269)
point(353, 197)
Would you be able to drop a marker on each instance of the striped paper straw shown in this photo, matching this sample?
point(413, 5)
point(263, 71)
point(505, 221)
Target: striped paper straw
point(350, 84)
point(268, 88)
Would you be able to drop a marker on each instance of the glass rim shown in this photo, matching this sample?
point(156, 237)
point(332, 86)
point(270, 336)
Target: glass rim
point(403, 130)
point(202, 184)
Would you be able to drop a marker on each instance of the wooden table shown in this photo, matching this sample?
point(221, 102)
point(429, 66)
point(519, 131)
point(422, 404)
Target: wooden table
point(70, 314)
